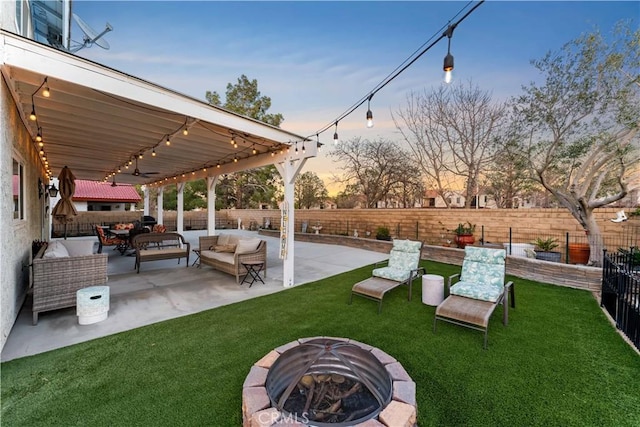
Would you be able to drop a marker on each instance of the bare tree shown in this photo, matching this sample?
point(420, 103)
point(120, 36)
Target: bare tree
point(579, 128)
point(373, 167)
point(452, 129)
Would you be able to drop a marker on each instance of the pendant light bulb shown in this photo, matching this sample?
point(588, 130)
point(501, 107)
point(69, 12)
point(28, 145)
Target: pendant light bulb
point(168, 141)
point(33, 116)
point(369, 119)
point(46, 92)
point(153, 152)
point(185, 131)
point(335, 135)
point(448, 60)
point(39, 136)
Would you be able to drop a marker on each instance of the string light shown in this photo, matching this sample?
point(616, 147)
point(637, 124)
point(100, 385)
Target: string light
point(46, 92)
point(153, 152)
point(369, 113)
point(33, 116)
point(448, 60)
point(39, 136)
point(168, 141)
point(335, 135)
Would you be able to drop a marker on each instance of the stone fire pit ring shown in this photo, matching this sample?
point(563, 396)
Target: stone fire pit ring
point(257, 410)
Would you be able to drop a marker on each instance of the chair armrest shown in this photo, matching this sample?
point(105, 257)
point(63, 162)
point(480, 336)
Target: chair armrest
point(510, 288)
point(380, 263)
point(453, 276)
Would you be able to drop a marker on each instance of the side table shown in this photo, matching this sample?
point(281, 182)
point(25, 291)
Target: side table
point(432, 289)
point(197, 260)
point(253, 271)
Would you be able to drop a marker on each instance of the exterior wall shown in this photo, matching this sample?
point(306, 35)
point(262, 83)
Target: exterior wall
point(433, 225)
point(17, 235)
point(573, 276)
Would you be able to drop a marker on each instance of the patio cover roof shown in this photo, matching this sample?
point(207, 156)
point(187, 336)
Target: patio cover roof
point(97, 119)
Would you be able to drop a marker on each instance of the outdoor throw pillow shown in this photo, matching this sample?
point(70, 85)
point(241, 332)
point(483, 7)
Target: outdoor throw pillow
point(224, 248)
point(247, 245)
point(55, 250)
point(223, 239)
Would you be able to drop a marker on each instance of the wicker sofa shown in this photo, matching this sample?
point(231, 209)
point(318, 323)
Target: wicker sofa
point(62, 267)
point(238, 250)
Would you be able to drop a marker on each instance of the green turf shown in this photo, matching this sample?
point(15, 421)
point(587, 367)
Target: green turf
point(558, 363)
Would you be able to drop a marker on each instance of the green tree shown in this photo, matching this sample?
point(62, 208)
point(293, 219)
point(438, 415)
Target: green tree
point(579, 127)
point(245, 98)
point(247, 189)
point(309, 191)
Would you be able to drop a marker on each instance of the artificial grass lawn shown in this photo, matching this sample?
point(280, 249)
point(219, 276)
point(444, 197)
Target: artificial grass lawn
point(558, 363)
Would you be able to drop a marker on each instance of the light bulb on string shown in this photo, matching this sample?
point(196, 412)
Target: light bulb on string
point(448, 60)
point(335, 135)
point(46, 92)
point(369, 113)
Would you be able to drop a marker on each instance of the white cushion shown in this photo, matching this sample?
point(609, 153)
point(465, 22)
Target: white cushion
point(55, 250)
point(225, 257)
point(233, 239)
point(78, 247)
point(223, 239)
point(247, 245)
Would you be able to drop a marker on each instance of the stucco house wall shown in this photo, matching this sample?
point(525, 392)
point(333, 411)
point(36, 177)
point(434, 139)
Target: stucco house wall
point(17, 235)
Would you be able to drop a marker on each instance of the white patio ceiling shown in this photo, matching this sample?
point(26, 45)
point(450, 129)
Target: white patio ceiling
point(97, 119)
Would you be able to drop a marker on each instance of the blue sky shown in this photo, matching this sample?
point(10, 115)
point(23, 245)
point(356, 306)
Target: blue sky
point(316, 59)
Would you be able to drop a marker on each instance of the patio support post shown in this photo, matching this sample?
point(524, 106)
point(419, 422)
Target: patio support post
point(289, 170)
point(180, 218)
point(160, 201)
point(145, 208)
point(212, 181)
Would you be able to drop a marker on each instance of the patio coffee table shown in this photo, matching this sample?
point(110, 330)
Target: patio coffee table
point(374, 288)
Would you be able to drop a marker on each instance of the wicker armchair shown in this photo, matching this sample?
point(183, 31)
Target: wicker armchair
point(56, 280)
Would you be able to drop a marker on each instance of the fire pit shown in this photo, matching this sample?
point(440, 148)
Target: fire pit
point(326, 381)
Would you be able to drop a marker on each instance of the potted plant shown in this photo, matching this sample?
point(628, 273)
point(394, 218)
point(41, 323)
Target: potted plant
point(545, 249)
point(382, 233)
point(464, 234)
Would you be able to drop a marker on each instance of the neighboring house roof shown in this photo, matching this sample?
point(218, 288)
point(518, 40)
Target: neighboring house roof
point(104, 191)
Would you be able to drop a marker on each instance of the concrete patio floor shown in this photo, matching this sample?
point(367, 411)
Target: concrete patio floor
point(165, 290)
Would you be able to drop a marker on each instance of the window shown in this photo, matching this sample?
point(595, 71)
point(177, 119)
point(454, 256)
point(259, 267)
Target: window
point(17, 180)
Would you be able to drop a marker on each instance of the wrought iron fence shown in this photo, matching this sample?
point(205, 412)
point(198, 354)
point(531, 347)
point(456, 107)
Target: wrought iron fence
point(621, 291)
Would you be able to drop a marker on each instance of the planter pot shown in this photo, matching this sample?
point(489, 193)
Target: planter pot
point(463, 240)
point(579, 253)
point(549, 256)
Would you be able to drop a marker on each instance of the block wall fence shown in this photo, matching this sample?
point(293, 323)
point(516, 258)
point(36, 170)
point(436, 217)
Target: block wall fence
point(429, 225)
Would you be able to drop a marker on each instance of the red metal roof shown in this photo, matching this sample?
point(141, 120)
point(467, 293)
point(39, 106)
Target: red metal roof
point(103, 191)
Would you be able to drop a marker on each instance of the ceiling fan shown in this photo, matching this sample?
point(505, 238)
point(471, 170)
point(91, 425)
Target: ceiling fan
point(136, 172)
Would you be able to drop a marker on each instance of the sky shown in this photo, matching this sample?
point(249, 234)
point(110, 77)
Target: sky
point(315, 60)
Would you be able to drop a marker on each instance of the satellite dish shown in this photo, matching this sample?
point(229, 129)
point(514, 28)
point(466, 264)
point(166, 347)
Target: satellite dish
point(90, 35)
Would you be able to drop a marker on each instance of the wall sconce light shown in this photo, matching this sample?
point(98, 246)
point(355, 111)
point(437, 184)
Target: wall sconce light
point(43, 189)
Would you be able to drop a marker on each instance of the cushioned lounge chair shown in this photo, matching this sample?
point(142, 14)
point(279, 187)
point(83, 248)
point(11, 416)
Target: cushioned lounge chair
point(477, 293)
point(401, 269)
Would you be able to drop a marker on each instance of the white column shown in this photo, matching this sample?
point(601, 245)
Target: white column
point(289, 170)
point(160, 201)
point(180, 202)
point(212, 181)
point(145, 207)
